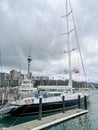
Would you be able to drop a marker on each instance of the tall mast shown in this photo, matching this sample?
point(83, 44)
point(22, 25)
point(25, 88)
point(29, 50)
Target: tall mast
point(68, 50)
point(69, 31)
point(69, 58)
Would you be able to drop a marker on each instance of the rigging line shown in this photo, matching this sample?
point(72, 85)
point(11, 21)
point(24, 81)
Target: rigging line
point(1, 61)
point(56, 13)
point(62, 41)
point(78, 63)
point(42, 35)
point(68, 32)
point(19, 116)
point(78, 44)
point(59, 45)
point(1, 68)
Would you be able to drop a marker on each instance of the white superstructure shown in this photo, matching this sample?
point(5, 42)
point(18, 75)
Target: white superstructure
point(27, 86)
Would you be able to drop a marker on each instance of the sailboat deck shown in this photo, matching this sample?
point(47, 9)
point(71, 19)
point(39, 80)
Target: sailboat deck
point(49, 120)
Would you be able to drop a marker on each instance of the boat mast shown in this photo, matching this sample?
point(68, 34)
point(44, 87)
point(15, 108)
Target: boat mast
point(69, 52)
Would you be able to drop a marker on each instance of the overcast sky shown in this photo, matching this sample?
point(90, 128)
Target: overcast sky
point(37, 25)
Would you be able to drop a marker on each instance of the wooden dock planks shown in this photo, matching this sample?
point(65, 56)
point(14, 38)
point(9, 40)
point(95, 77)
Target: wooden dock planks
point(49, 120)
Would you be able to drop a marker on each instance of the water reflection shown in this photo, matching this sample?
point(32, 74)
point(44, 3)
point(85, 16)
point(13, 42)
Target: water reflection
point(81, 123)
point(85, 122)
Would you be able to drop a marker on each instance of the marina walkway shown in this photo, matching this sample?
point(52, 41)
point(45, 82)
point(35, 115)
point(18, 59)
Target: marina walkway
point(49, 120)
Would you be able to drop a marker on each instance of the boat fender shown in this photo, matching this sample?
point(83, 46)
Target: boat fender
point(45, 95)
point(37, 95)
point(27, 101)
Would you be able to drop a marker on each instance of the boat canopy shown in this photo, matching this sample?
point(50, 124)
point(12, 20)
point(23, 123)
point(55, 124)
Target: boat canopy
point(54, 87)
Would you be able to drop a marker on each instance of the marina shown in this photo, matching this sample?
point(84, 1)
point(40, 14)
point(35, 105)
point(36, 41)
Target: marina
point(49, 120)
point(84, 122)
point(50, 96)
point(44, 122)
point(66, 101)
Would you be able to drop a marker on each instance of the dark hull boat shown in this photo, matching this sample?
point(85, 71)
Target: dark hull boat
point(30, 105)
point(33, 109)
point(50, 102)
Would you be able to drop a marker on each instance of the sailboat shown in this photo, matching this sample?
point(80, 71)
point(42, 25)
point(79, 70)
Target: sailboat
point(51, 95)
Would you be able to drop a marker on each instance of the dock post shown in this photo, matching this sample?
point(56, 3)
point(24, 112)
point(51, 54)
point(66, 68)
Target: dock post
point(40, 108)
point(79, 101)
point(63, 103)
point(85, 102)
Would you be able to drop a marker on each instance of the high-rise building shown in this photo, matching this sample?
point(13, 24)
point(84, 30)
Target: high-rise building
point(14, 75)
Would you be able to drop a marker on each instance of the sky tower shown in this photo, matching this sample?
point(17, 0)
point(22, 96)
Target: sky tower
point(29, 59)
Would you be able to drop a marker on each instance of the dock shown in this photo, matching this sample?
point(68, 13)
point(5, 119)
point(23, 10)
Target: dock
point(49, 120)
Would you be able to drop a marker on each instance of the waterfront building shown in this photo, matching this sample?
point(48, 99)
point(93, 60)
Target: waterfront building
point(14, 75)
point(4, 76)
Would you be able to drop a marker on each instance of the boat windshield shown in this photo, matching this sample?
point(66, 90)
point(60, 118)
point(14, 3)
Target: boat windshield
point(26, 82)
point(28, 95)
point(50, 93)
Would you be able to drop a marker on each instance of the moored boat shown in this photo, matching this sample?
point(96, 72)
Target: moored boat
point(27, 87)
point(51, 95)
point(51, 101)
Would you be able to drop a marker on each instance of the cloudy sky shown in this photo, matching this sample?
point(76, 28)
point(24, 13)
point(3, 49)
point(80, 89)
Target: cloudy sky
point(35, 26)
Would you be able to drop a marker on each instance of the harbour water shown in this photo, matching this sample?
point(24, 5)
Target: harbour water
point(85, 122)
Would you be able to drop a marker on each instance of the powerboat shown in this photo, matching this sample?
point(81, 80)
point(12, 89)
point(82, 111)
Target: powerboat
point(27, 87)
